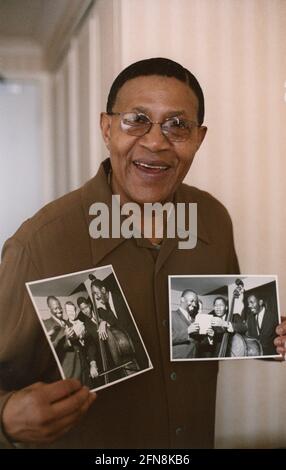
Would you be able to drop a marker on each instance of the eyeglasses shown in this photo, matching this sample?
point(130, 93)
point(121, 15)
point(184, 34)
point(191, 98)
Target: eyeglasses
point(176, 129)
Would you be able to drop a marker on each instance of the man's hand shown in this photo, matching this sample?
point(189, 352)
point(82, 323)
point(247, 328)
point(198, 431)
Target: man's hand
point(79, 329)
point(102, 330)
point(210, 332)
point(238, 291)
point(69, 331)
point(193, 328)
point(93, 371)
point(218, 322)
point(280, 341)
point(41, 413)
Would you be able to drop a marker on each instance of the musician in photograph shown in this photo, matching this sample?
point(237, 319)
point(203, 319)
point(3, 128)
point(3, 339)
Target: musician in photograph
point(55, 324)
point(221, 325)
point(86, 310)
point(79, 342)
point(116, 344)
point(56, 328)
point(87, 317)
point(187, 343)
point(261, 323)
point(106, 315)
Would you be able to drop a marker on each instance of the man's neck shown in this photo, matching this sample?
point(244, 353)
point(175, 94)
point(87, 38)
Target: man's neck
point(158, 225)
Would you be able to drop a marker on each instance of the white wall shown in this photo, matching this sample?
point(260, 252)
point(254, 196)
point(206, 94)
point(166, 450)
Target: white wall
point(20, 154)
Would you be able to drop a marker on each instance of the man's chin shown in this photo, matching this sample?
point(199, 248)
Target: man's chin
point(149, 197)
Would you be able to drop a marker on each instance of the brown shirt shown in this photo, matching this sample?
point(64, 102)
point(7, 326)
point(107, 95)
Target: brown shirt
point(172, 405)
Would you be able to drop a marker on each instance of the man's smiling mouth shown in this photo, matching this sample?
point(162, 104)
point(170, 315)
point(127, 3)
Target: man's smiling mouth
point(154, 167)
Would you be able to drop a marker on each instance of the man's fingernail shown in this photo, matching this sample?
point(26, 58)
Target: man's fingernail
point(279, 331)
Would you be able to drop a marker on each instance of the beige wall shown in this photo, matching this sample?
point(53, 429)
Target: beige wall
point(237, 49)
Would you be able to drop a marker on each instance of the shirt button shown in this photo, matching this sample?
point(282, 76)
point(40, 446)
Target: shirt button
point(178, 431)
point(173, 376)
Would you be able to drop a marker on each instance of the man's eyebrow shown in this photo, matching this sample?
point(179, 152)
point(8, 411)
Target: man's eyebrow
point(140, 109)
point(171, 113)
point(180, 112)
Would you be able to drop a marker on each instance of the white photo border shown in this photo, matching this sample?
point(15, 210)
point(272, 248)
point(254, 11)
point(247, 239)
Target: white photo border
point(206, 276)
point(88, 271)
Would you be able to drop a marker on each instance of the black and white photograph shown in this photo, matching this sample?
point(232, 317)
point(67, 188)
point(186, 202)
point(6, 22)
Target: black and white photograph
point(90, 327)
point(223, 317)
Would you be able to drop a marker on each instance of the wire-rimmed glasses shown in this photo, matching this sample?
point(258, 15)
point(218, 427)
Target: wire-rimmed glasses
point(176, 128)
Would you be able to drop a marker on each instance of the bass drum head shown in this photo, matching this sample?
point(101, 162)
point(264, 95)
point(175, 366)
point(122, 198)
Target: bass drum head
point(243, 346)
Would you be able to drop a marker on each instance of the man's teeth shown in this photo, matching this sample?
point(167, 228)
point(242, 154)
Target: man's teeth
point(152, 167)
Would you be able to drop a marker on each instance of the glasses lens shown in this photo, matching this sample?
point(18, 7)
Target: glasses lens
point(178, 129)
point(135, 123)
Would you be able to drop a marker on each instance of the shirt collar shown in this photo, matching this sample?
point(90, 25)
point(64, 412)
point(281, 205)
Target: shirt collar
point(98, 190)
point(186, 314)
point(61, 322)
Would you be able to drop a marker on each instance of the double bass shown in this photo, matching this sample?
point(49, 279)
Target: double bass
point(238, 345)
point(117, 352)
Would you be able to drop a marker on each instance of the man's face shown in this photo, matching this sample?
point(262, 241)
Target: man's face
point(253, 304)
point(71, 312)
point(158, 98)
point(56, 308)
point(219, 308)
point(97, 292)
point(85, 308)
point(190, 303)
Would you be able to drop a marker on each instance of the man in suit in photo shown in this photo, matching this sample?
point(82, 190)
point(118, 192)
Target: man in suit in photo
point(261, 323)
point(184, 327)
point(55, 324)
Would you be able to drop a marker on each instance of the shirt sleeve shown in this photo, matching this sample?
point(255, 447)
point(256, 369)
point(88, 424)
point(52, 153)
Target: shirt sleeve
point(18, 321)
point(4, 397)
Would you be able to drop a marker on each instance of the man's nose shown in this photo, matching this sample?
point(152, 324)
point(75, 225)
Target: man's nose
point(154, 139)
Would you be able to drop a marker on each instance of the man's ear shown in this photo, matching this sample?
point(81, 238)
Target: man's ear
point(202, 130)
point(261, 303)
point(105, 124)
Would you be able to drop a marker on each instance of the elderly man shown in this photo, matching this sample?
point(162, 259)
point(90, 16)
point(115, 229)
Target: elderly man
point(152, 130)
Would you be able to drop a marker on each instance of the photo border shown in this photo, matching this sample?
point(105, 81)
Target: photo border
point(196, 276)
point(91, 270)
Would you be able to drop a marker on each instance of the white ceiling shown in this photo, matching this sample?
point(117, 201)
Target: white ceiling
point(33, 20)
point(46, 25)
